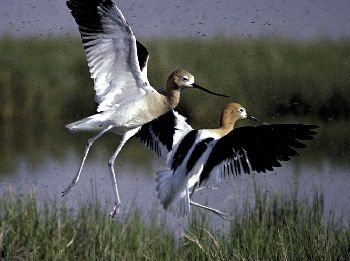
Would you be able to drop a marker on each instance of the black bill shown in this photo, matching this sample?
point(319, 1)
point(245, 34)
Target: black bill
point(195, 85)
point(257, 120)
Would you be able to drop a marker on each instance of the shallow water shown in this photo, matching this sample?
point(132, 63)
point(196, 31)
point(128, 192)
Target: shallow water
point(136, 178)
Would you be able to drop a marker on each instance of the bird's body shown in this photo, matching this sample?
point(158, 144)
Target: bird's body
point(128, 116)
point(118, 65)
point(208, 155)
point(186, 163)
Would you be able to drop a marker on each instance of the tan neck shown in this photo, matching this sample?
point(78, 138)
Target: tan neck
point(223, 130)
point(225, 126)
point(173, 97)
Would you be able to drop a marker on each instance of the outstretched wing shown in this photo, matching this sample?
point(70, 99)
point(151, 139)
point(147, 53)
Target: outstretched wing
point(162, 134)
point(259, 149)
point(117, 61)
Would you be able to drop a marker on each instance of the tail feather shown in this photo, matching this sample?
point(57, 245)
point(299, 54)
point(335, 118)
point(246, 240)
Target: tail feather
point(170, 198)
point(164, 187)
point(182, 206)
point(93, 123)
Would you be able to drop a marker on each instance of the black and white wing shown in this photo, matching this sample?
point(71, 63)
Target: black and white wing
point(259, 149)
point(117, 61)
point(163, 133)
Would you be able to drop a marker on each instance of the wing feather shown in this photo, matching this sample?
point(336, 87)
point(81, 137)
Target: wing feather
point(258, 149)
point(117, 61)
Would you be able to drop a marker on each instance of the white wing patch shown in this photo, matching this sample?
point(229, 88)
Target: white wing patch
point(111, 51)
point(181, 129)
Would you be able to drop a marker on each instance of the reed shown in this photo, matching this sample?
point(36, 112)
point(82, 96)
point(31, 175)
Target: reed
point(268, 229)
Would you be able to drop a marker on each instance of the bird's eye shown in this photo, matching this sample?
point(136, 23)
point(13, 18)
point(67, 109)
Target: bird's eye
point(184, 78)
point(241, 110)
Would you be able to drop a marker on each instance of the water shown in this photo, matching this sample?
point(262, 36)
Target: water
point(46, 172)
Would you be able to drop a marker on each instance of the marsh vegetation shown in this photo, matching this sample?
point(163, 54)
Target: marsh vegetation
point(45, 84)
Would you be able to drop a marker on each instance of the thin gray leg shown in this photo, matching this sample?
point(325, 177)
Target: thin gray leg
point(194, 188)
point(217, 212)
point(87, 148)
point(212, 186)
point(117, 201)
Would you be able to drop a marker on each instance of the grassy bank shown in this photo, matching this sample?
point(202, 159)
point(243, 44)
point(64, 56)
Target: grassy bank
point(48, 79)
point(45, 84)
point(275, 229)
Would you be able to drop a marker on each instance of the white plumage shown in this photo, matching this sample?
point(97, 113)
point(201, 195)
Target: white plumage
point(118, 65)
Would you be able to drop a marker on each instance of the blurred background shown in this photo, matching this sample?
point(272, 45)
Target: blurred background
point(286, 62)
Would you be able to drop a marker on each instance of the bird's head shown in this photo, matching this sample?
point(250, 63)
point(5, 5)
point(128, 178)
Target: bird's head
point(181, 79)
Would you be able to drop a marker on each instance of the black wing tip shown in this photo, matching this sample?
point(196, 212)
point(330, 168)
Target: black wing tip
point(142, 55)
point(312, 128)
point(81, 6)
point(309, 132)
point(292, 134)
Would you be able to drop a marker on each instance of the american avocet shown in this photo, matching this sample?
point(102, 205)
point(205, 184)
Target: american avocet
point(118, 65)
point(207, 155)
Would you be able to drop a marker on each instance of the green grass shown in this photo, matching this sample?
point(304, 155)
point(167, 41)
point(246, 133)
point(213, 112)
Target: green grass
point(45, 84)
point(43, 79)
point(274, 229)
point(49, 79)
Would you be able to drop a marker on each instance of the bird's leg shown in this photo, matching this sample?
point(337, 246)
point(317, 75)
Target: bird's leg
point(87, 148)
point(127, 135)
point(217, 212)
point(194, 189)
point(212, 186)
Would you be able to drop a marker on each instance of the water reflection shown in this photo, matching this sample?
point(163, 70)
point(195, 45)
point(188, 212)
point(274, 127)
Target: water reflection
point(46, 163)
point(33, 141)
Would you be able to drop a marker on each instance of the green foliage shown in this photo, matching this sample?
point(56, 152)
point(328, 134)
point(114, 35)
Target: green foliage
point(274, 229)
point(48, 79)
point(270, 229)
point(43, 80)
point(45, 84)
point(271, 77)
point(52, 232)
